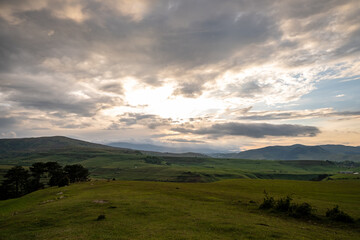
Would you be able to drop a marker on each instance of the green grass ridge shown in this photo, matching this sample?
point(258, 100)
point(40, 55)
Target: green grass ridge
point(158, 210)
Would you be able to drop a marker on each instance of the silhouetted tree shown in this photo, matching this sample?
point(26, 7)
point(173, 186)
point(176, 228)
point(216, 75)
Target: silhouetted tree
point(76, 173)
point(56, 173)
point(64, 181)
point(18, 181)
point(15, 183)
point(53, 167)
point(37, 170)
point(56, 177)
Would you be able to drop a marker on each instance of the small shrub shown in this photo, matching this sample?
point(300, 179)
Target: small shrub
point(303, 210)
point(283, 204)
point(154, 160)
point(336, 214)
point(100, 217)
point(268, 202)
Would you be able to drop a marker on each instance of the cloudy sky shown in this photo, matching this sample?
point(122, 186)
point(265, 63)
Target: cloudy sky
point(231, 74)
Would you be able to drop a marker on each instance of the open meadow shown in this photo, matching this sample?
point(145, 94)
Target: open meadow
point(226, 209)
point(109, 163)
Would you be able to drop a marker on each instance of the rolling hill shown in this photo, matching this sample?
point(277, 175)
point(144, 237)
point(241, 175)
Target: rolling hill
point(163, 149)
point(20, 146)
point(126, 164)
point(44, 144)
point(162, 210)
point(299, 152)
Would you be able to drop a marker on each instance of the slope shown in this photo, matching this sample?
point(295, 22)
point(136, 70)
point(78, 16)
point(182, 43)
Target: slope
point(43, 144)
point(300, 152)
point(154, 210)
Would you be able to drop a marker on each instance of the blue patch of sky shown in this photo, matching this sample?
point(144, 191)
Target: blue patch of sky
point(341, 94)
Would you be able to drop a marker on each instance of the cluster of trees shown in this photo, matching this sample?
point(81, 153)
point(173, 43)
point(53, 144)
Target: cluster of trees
point(155, 160)
point(19, 181)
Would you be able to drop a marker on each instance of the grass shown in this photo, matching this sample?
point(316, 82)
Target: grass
point(109, 163)
point(345, 176)
point(163, 210)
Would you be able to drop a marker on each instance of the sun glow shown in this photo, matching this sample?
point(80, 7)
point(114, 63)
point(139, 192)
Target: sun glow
point(162, 102)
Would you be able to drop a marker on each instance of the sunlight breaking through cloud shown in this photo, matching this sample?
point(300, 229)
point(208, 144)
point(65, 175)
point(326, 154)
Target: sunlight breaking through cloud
point(94, 67)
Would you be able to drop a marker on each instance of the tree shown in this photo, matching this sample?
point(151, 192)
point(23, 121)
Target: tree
point(64, 181)
point(53, 167)
point(18, 181)
point(76, 173)
point(38, 170)
point(56, 178)
point(56, 173)
point(15, 183)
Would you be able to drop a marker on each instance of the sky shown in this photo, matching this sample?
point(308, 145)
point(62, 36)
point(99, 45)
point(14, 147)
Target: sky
point(231, 74)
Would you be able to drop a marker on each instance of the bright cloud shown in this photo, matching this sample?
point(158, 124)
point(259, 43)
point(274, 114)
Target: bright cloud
point(142, 69)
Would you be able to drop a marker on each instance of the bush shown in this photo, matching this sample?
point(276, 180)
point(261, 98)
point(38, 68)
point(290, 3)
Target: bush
point(302, 210)
point(336, 214)
point(268, 202)
point(283, 204)
point(154, 160)
point(100, 217)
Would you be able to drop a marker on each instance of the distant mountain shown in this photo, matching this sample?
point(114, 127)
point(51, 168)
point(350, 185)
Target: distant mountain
point(162, 149)
point(299, 152)
point(43, 144)
point(22, 147)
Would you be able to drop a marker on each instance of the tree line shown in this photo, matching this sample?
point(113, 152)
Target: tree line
point(19, 181)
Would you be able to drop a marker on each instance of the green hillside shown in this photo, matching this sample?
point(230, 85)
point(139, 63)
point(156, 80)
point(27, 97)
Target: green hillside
point(43, 144)
point(125, 164)
point(300, 152)
point(109, 163)
point(154, 210)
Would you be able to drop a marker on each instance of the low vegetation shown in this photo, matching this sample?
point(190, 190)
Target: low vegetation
point(19, 181)
point(110, 163)
point(336, 214)
point(302, 210)
point(285, 205)
point(161, 210)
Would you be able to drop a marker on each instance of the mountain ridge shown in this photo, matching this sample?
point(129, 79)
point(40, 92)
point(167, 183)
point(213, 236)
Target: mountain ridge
point(163, 149)
point(299, 152)
point(20, 146)
point(44, 143)
point(332, 152)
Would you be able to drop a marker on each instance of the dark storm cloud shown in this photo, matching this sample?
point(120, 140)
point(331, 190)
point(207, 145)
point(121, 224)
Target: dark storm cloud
point(112, 87)
point(284, 115)
point(49, 95)
point(182, 140)
point(248, 89)
point(255, 130)
point(306, 8)
point(72, 56)
point(189, 89)
point(7, 122)
point(164, 39)
point(150, 120)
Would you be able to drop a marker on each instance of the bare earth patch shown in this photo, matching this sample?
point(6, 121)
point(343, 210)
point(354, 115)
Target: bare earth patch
point(47, 201)
point(100, 201)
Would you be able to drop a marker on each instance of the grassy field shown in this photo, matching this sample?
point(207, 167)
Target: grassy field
point(109, 163)
point(159, 210)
